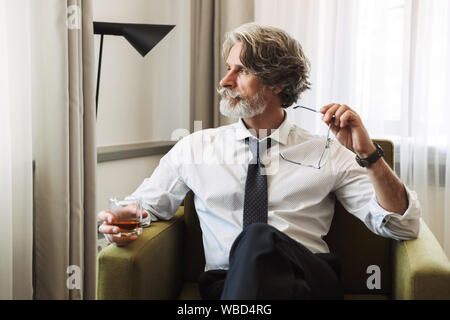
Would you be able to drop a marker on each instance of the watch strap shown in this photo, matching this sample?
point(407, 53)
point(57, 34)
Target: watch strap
point(374, 157)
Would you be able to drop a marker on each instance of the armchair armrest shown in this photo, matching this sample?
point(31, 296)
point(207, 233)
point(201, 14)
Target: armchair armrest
point(421, 268)
point(149, 268)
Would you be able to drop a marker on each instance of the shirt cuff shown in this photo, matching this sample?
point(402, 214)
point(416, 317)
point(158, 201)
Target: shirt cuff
point(152, 213)
point(400, 226)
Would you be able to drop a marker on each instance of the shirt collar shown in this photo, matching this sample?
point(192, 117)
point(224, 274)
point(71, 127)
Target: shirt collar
point(280, 134)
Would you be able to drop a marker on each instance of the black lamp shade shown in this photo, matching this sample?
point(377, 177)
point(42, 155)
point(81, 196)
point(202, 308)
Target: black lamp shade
point(143, 37)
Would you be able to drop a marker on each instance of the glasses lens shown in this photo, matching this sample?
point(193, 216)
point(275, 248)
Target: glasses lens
point(314, 152)
point(324, 157)
point(311, 153)
point(326, 151)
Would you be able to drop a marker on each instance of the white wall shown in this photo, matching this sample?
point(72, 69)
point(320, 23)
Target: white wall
point(143, 99)
point(112, 180)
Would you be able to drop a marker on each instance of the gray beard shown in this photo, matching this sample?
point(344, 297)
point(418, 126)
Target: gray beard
point(244, 108)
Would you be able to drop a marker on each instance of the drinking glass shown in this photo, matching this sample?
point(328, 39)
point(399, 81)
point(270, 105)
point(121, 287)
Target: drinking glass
point(128, 216)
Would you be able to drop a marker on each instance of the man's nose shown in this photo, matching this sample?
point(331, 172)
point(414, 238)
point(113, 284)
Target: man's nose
point(228, 81)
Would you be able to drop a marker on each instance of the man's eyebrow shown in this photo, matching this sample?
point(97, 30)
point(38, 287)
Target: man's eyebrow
point(236, 65)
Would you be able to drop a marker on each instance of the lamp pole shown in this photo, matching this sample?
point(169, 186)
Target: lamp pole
point(98, 73)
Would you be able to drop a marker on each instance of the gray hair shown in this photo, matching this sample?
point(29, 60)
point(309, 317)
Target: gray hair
point(274, 56)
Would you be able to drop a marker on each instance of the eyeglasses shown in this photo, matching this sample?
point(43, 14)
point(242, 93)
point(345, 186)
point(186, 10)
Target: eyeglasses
point(316, 148)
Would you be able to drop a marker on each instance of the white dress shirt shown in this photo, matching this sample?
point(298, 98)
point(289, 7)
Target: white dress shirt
point(213, 164)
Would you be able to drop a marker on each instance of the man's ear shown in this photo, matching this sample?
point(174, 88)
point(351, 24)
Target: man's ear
point(277, 90)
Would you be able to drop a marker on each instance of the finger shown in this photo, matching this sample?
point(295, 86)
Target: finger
point(123, 241)
point(126, 211)
point(334, 129)
point(328, 116)
point(347, 118)
point(107, 216)
point(339, 112)
point(325, 108)
point(129, 211)
point(108, 229)
point(132, 210)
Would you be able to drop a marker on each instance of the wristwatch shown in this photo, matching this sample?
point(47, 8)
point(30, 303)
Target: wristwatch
point(366, 162)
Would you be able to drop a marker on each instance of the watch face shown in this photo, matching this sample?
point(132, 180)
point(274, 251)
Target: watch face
point(362, 162)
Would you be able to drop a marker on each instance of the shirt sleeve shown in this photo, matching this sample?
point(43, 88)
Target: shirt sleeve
point(164, 191)
point(355, 191)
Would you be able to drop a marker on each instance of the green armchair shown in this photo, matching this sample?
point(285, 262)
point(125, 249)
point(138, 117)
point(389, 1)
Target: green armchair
point(166, 260)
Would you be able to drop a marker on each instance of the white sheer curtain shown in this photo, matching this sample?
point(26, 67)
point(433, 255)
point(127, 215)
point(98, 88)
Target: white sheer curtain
point(390, 61)
point(47, 116)
point(16, 196)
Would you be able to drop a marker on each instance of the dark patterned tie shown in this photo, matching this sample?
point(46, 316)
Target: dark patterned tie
point(255, 197)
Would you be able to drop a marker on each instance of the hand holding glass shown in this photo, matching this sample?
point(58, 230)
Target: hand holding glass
point(128, 216)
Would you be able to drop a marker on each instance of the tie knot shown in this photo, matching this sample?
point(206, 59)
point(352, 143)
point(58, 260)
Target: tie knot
point(257, 147)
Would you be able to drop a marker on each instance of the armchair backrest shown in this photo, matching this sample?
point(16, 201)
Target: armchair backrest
point(357, 247)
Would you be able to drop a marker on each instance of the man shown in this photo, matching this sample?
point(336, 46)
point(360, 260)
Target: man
point(262, 232)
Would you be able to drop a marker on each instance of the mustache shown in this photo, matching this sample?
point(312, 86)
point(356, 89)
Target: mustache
point(225, 92)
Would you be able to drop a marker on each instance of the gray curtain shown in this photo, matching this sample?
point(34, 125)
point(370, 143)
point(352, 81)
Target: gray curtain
point(211, 19)
point(64, 150)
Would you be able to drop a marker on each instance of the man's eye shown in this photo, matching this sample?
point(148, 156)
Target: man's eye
point(243, 71)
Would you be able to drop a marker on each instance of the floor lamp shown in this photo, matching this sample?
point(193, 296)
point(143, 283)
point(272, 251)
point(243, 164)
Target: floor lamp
point(143, 37)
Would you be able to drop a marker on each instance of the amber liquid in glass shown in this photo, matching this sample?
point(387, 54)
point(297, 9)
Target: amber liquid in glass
point(128, 227)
